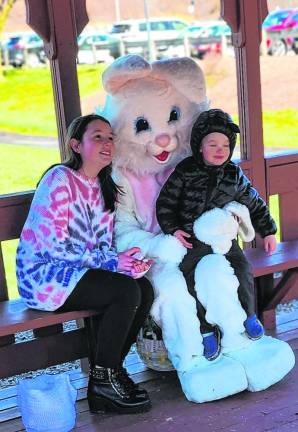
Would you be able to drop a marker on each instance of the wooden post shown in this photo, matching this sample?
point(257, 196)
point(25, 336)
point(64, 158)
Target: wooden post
point(6, 57)
point(187, 52)
point(58, 23)
point(224, 45)
point(94, 54)
point(246, 17)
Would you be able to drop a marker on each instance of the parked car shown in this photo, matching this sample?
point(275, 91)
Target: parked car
point(280, 27)
point(207, 36)
point(295, 41)
point(97, 47)
point(165, 33)
point(21, 48)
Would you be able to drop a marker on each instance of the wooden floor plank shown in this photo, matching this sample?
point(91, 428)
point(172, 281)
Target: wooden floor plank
point(274, 410)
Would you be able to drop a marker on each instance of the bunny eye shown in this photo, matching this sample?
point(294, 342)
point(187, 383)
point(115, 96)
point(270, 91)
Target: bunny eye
point(141, 124)
point(174, 114)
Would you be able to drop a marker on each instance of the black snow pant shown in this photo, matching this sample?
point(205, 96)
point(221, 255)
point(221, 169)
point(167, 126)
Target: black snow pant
point(123, 304)
point(242, 271)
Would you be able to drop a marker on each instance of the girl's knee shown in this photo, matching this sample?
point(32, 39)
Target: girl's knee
point(146, 291)
point(130, 293)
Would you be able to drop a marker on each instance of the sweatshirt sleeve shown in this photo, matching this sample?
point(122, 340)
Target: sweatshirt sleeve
point(261, 219)
point(167, 204)
point(47, 231)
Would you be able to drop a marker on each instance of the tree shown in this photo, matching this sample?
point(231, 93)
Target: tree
point(5, 8)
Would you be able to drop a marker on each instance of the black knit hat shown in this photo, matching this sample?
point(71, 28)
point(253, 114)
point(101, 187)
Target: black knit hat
point(214, 120)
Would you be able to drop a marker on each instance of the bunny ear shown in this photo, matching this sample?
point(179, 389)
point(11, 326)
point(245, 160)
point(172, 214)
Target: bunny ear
point(124, 69)
point(185, 75)
point(246, 230)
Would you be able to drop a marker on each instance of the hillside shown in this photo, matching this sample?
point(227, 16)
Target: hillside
point(102, 12)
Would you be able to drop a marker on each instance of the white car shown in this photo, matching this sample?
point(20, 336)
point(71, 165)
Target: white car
point(160, 29)
point(164, 32)
point(97, 47)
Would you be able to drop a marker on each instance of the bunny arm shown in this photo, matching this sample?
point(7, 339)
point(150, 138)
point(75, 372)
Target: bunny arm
point(129, 231)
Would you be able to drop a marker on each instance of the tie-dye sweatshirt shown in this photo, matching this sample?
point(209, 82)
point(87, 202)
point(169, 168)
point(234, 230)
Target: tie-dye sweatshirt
point(66, 233)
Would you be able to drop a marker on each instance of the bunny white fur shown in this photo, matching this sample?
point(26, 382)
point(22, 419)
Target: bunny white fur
point(265, 361)
point(151, 108)
point(140, 91)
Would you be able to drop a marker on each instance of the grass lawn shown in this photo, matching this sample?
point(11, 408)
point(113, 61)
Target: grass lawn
point(27, 105)
point(280, 129)
point(21, 171)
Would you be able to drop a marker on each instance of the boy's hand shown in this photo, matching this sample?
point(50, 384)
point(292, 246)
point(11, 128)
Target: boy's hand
point(181, 235)
point(270, 244)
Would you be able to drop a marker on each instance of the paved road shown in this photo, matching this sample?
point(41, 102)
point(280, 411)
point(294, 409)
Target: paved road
point(17, 139)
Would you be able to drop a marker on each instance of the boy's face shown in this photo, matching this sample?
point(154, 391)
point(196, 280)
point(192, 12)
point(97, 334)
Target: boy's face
point(215, 148)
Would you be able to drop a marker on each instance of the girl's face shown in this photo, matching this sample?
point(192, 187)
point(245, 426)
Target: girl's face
point(96, 147)
point(215, 148)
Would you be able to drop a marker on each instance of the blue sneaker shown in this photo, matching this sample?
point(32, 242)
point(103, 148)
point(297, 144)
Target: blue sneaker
point(211, 342)
point(254, 328)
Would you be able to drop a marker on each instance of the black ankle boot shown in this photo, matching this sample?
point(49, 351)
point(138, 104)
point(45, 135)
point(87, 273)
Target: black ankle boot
point(106, 391)
point(130, 384)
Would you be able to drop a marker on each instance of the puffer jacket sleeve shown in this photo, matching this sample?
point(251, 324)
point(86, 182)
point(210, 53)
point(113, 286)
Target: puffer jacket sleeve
point(262, 222)
point(167, 204)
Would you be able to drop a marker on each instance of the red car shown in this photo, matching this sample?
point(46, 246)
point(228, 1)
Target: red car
point(206, 37)
point(280, 26)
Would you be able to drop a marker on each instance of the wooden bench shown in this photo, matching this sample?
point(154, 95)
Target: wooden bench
point(52, 345)
point(269, 294)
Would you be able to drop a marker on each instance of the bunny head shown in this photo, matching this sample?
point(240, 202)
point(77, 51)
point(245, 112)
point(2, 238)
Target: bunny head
point(151, 107)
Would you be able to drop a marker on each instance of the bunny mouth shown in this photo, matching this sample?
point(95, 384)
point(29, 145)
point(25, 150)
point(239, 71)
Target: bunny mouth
point(163, 157)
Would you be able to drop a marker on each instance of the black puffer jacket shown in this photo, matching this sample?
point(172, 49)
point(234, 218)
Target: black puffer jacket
point(194, 188)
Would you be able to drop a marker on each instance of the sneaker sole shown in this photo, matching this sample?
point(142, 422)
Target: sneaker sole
point(215, 355)
point(254, 338)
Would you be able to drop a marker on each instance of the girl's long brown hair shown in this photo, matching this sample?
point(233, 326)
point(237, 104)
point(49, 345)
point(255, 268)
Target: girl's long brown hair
point(76, 130)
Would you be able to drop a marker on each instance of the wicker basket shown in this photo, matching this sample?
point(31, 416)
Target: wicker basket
point(151, 347)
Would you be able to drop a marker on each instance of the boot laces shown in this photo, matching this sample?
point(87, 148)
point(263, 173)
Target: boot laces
point(123, 375)
point(118, 384)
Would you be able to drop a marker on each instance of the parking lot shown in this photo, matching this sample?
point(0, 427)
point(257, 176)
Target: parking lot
point(155, 39)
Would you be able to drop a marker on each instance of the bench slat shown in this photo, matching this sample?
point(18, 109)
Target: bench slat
point(43, 352)
point(16, 317)
point(13, 209)
point(285, 257)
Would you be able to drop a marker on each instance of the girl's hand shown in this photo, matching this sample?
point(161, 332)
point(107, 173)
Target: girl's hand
point(126, 260)
point(138, 268)
point(181, 235)
point(270, 244)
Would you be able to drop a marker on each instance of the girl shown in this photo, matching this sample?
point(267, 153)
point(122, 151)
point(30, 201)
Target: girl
point(66, 261)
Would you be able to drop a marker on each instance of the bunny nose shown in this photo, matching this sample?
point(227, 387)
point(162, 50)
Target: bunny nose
point(162, 140)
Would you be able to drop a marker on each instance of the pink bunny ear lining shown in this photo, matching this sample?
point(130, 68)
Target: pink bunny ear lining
point(246, 230)
point(124, 69)
point(246, 233)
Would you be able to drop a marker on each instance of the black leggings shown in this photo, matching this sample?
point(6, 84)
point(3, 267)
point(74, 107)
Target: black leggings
point(242, 271)
point(123, 304)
